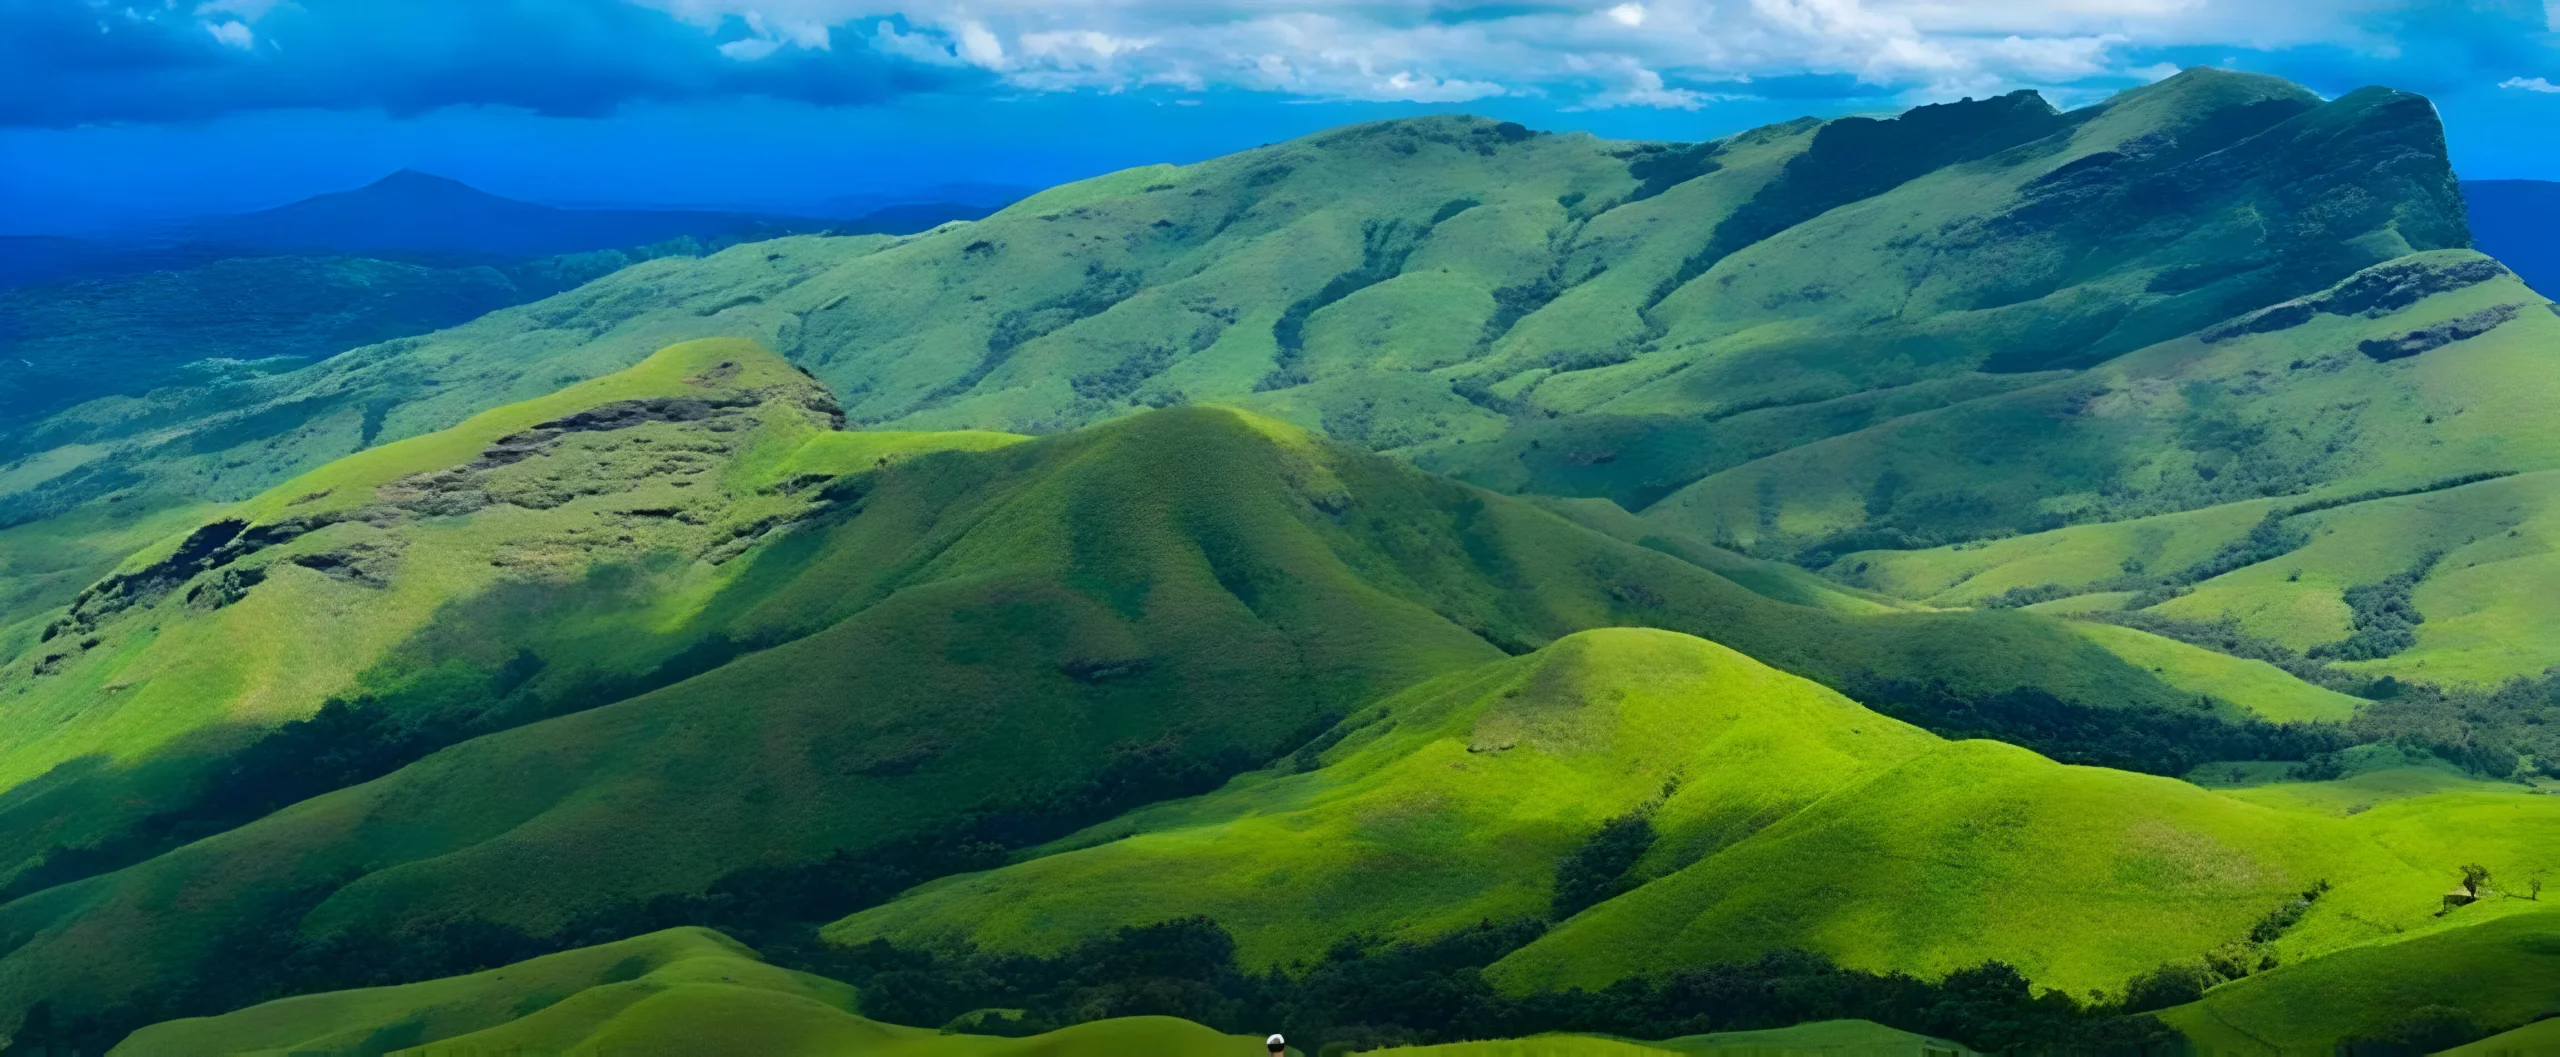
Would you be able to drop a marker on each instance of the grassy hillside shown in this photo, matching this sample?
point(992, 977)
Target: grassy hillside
point(2491, 965)
point(2412, 371)
point(2262, 688)
point(427, 577)
point(1774, 815)
point(2398, 488)
point(1443, 806)
point(683, 991)
point(951, 655)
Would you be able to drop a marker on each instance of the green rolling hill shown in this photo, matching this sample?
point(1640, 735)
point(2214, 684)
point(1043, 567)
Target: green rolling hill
point(953, 644)
point(1600, 566)
point(683, 991)
point(2490, 974)
point(1777, 815)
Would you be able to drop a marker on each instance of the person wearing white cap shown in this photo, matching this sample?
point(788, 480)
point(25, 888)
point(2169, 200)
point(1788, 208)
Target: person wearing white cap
point(1278, 1045)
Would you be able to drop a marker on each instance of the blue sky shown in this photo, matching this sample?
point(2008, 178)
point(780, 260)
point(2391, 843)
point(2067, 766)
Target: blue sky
point(121, 111)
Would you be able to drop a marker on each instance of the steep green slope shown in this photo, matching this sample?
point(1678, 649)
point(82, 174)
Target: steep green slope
point(1776, 815)
point(2104, 231)
point(431, 574)
point(2494, 965)
point(2416, 370)
point(683, 991)
point(962, 652)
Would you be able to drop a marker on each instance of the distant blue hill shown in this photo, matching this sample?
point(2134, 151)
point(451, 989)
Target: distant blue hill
point(421, 218)
point(2518, 222)
point(410, 215)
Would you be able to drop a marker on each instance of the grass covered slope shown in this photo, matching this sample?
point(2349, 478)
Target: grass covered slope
point(570, 995)
point(2468, 557)
point(1776, 815)
point(2416, 370)
point(1982, 850)
point(2492, 964)
point(2264, 689)
point(560, 524)
point(682, 991)
point(1446, 805)
point(968, 651)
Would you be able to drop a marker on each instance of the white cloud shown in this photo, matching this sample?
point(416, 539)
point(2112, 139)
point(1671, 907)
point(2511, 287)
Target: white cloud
point(2538, 84)
point(2551, 14)
point(979, 45)
point(233, 34)
point(1659, 53)
point(1645, 88)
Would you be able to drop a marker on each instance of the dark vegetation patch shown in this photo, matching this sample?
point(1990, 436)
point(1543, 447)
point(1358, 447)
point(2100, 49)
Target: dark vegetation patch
point(1603, 868)
point(1384, 245)
point(2184, 981)
point(2153, 739)
point(2227, 637)
point(1123, 378)
point(740, 301)
point(2499, 733)
point(1363, 994)
point(2496, 733)
point(1660, 167)
point(1515, 302)
point(2426, 339)
point(2386, 617)
point(1368, 993)
point(2421, 1031)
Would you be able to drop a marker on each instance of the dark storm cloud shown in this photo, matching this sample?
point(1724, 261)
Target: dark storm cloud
point(73, 62)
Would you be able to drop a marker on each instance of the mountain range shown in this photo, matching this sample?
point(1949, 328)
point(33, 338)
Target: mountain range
point(2045, 580)
point(264, 292)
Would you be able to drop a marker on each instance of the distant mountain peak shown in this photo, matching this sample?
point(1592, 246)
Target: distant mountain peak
point(415, 182)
